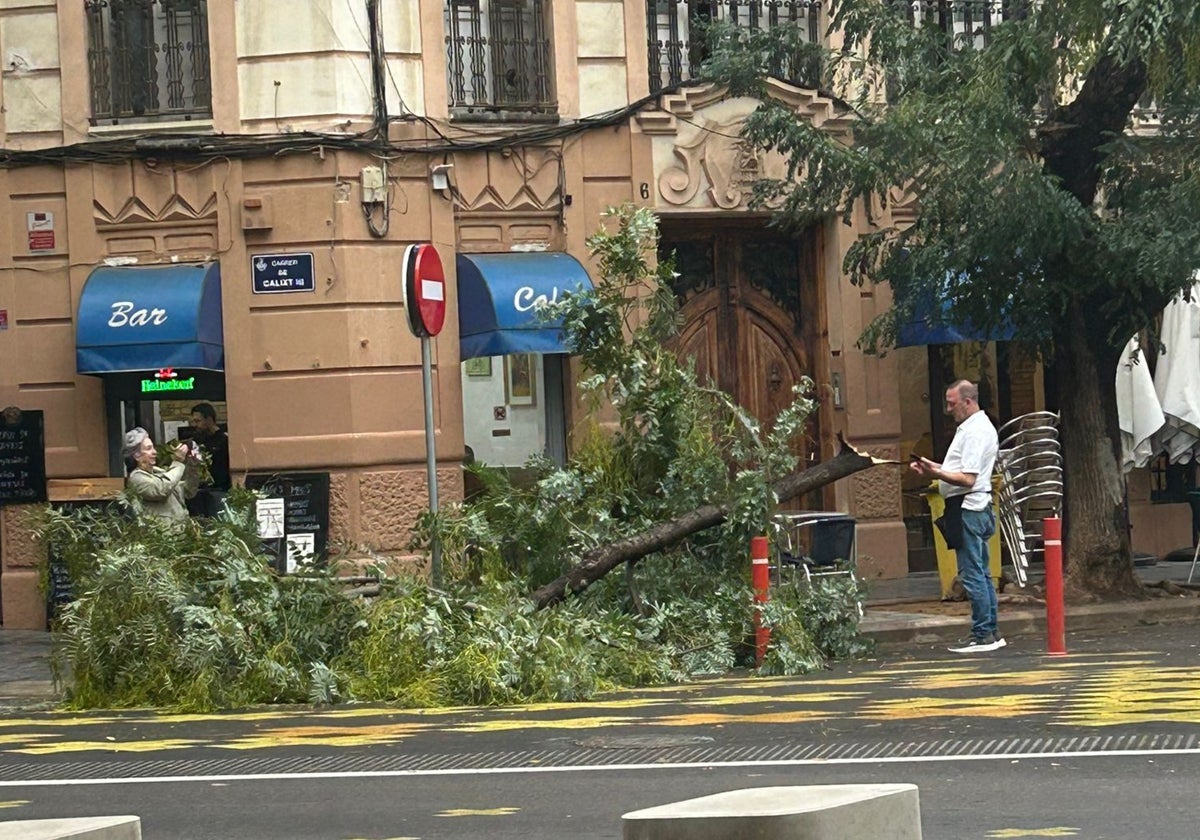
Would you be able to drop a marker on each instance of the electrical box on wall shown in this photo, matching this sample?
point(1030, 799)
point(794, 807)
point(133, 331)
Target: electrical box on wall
point(373, 189)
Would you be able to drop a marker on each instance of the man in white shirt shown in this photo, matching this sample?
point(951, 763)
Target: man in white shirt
point(965, 477)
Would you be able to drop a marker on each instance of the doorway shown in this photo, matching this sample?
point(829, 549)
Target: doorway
point(750, 305)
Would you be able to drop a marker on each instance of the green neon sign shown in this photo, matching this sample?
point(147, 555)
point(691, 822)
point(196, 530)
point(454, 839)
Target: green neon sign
point(152, 385)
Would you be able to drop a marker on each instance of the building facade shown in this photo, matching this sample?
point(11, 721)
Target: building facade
point(261, 168)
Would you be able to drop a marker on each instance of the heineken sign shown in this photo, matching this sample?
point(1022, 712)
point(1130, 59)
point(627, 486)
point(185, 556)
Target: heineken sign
point(167, 380)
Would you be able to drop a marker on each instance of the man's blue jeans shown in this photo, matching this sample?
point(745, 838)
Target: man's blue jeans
point(973, 572)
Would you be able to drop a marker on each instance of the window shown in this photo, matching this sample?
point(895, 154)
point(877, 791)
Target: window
point(498, 58)
point(1171, 483)
point(676, 36)
point(148, 60)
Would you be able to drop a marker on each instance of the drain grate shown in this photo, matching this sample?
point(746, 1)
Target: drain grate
point(588, 756)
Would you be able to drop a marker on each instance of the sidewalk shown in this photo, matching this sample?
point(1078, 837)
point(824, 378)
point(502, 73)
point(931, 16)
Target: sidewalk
point(905, 611)
point(910, 611)
point(25, 678)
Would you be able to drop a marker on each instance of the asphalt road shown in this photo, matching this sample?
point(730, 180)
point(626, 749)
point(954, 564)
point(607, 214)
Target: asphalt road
point(1104, 743)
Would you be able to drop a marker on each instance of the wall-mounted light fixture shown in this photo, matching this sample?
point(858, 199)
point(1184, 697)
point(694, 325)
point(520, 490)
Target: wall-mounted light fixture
point(439, 176)
point(835, 382)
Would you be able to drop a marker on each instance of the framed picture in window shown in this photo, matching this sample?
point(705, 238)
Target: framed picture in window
point(479, 366)
point(519, 370)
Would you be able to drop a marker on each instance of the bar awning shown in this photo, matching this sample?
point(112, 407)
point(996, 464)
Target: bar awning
point(134, 319)
point(498, 298)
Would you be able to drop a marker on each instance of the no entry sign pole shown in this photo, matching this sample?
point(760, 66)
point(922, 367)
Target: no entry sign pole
point(423, 286)
point(435, 548)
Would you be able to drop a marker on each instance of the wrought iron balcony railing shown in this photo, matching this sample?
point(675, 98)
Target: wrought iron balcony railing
point(968, 22)
point(498, 58)
point(676, 38)
point(148, 60)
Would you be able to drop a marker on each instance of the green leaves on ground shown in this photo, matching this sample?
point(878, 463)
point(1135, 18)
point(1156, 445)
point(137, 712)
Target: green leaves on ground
point(195, 618)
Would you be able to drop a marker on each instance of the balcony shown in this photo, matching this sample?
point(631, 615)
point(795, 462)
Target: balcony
point(148, 61)
point(676, 36)
point(969, 22)
point(498, 59)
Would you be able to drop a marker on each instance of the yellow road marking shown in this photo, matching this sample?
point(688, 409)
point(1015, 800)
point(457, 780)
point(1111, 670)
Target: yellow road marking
point(105, 746)
point(717, 719)
point(14, 803)
point(756, 699)
point(1061, 831)
point(325, 736)
point(23, 737)
point(935, 682)
point(996, 706)
point(1106, 690)
point(524, 723)
point(478, 812)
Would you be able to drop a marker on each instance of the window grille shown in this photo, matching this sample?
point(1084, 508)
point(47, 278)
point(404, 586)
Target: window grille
point(677, 41)
point(969, 21)
point(498, 57)
point(148, 60)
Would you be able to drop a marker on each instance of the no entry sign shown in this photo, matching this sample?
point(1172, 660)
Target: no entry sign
point(424, 285)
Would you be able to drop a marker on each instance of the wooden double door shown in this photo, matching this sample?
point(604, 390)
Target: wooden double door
point(751, 309)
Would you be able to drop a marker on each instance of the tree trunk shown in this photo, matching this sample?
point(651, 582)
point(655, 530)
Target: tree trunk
point(1095, 533)
point(600, 561)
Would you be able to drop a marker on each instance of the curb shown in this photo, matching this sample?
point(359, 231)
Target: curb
point(890, 628)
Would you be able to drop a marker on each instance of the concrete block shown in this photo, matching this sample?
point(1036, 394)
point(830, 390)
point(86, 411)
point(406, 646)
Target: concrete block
point(79, 828)
point(809, 812)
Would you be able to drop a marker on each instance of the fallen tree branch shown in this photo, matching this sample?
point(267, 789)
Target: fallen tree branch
point(598, 562)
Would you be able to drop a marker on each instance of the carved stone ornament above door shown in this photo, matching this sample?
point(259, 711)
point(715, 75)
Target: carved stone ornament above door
point(716, 160)
point(700, 158)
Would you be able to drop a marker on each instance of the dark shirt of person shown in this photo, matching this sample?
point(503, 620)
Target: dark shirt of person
point(216, 446)
point(214, 442)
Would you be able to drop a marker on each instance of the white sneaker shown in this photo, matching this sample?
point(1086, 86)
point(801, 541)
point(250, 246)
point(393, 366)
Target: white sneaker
point(976, 644)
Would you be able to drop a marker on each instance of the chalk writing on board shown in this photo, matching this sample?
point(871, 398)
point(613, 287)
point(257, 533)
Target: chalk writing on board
point(22, 456)
point(304, 499)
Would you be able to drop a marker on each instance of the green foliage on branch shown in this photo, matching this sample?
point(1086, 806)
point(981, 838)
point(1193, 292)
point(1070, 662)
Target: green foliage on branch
point(1030, 195)
point(1031, 168)
point(195, 618)
point(190, 617)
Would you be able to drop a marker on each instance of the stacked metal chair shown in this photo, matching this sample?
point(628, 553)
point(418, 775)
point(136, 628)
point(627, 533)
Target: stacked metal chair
point(1029, 466)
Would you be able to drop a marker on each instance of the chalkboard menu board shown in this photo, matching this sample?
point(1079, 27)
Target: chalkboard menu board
point(22, 457)
point(59, 593)
point(293, 515)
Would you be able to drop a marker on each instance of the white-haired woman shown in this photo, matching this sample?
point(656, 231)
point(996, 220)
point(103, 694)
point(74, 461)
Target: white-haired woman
point(163, 491)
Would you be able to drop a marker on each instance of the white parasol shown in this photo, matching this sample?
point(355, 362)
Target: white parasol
point(1177, 379)
point(1139, 413)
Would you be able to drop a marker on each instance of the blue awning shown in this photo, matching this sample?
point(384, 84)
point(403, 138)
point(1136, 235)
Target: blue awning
point(932, 324)
point(134, 319)
point(498, 297)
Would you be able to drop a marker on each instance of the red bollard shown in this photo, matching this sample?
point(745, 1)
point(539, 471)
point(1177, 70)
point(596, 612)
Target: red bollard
point(1056, 635)
point(760, 579)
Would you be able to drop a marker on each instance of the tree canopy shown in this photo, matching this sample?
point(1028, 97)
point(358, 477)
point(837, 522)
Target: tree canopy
point(1044, 156)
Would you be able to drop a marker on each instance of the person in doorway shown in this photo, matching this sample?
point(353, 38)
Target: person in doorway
point(213, 441)
point(164, 492)
point(965, 482)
